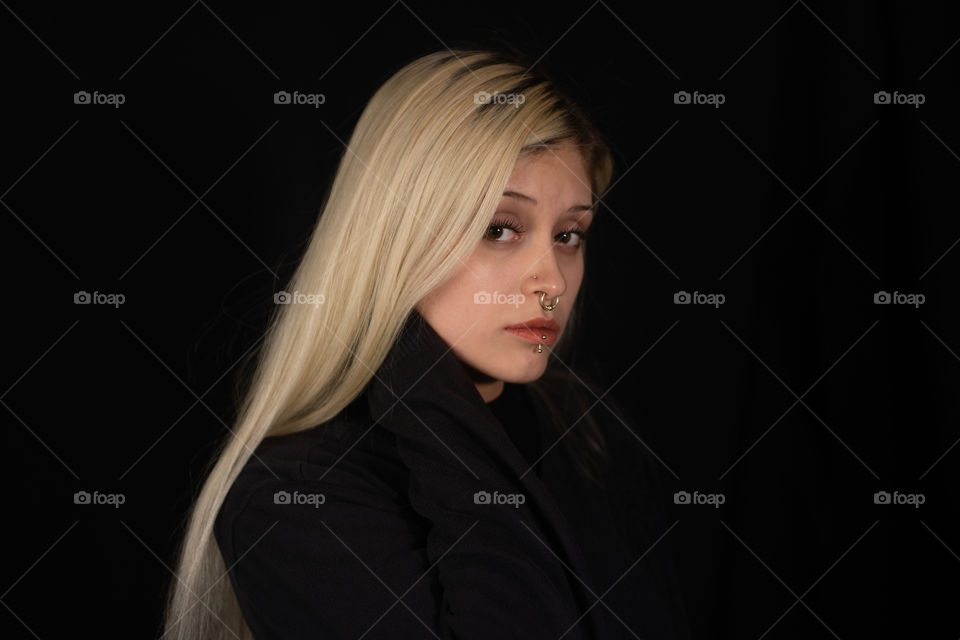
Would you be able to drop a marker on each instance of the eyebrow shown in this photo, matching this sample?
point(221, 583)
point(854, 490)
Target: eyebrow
point(522, 196)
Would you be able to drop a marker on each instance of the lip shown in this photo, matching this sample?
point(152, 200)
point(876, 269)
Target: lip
point(534, 329)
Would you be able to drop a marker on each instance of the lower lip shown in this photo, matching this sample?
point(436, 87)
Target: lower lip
point(533, 335)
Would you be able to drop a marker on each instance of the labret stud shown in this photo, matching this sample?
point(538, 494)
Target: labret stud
point(540, 345)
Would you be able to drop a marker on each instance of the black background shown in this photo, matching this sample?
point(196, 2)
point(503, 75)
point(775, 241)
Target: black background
point(798, 199)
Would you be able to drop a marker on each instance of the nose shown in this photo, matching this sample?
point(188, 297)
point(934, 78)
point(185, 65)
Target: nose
point(549, 279)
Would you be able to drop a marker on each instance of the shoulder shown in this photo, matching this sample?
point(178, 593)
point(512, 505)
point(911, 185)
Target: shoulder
point(333, 472)
point(331, 465)
point(307, 519)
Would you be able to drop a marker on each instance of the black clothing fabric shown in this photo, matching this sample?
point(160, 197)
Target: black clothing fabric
point(412, 515)
point(514, 409)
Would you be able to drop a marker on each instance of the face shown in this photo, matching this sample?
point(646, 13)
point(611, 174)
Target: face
point(537, 230)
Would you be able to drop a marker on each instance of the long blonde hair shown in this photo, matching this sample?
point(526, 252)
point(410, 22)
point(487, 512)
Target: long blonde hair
point(413, 194)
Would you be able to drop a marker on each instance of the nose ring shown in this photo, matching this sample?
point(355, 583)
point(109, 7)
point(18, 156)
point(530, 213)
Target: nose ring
point(551, 307)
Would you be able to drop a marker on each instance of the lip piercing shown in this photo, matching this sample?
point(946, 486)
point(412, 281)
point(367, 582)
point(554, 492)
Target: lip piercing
point(556, 301)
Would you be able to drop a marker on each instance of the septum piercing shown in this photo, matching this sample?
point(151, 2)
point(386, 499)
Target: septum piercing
point(539, 346)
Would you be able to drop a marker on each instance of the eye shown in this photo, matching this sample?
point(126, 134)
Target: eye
point(501, 225)
point(580, 234)
point(497, 228)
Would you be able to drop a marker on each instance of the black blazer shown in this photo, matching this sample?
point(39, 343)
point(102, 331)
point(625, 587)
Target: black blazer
point(376, 524)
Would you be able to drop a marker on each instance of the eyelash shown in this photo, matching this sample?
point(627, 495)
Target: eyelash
point(519, 228)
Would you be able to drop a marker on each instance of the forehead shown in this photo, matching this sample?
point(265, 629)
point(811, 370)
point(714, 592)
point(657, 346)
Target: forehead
point(551, 174)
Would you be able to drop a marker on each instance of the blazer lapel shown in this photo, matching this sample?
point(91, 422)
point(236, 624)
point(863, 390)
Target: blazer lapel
point(421, 366)
point(553, 476)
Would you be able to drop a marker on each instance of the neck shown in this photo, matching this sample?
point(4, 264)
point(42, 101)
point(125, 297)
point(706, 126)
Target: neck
point(488, 387)
point(490, 391)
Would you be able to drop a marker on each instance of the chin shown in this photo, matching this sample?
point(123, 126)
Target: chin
point(528, 371)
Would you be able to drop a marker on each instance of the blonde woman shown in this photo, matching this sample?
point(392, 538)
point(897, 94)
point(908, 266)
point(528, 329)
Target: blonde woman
point(405, 464)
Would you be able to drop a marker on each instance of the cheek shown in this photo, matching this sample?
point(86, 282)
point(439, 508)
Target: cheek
point(574, 278)
point(452, 292)
point(450, 307)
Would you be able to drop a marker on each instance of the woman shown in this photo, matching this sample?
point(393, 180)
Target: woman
point(404, 464)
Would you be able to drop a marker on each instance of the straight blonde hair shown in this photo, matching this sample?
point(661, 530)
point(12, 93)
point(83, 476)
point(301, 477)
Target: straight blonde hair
point(413, 195)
